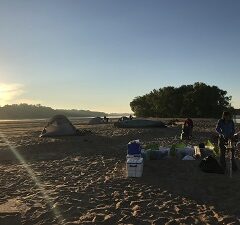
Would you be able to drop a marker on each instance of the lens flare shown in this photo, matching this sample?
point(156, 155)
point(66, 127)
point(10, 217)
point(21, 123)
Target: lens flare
point(36, 180)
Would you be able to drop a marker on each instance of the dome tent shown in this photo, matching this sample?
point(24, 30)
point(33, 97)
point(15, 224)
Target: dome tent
point(96, 120)
point(59, 125)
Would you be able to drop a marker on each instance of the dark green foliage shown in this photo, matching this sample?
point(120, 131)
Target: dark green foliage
point(25, 111)
point(237, 111)
point(197, 100)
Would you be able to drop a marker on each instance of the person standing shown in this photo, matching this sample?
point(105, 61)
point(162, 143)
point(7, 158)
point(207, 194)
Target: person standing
point(189, 123)
point(226, 130)
point(187, 129)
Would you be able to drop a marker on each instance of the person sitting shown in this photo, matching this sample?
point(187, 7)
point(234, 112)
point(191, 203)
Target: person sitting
point(226, 130)
point(105, 119)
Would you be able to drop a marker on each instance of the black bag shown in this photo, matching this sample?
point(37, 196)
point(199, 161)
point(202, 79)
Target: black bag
point(201, 145)
point(210, 165)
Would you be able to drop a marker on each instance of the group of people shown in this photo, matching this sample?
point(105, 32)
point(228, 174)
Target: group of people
point(226, 134)
point(106, 120)
point(225, 129)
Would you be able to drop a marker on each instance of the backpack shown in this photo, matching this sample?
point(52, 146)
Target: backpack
point(201, 145)
point(210, 165)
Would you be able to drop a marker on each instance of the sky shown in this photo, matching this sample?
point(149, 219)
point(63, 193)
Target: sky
point(99, 55)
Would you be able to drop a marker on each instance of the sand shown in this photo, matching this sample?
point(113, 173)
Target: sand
point(82, 180)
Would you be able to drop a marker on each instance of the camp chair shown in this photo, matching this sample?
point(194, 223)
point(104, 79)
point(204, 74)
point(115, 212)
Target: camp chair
point(229, 147)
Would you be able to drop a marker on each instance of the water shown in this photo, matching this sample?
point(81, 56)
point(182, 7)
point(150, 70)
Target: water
point(237, 120)
point(46, 119)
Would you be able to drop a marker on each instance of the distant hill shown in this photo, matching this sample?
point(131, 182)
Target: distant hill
point(25, 111)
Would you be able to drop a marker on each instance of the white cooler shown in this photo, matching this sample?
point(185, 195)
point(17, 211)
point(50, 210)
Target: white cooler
point(134, 167)
point(133, 156)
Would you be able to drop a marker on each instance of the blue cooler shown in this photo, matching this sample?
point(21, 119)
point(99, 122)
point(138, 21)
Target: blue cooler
point(134, 148)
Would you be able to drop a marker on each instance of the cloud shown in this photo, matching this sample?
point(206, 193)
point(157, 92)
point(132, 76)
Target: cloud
point(236, 102)
point(10, 92)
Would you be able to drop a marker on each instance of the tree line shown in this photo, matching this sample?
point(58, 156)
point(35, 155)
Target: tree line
point(196, 100)
point(26, 111)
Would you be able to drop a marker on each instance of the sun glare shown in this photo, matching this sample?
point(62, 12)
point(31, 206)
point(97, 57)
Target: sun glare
point(37, 181)
point(9, 92)
point(3, 95)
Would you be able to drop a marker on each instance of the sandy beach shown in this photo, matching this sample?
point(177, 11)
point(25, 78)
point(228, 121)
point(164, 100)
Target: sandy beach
point(82, 179)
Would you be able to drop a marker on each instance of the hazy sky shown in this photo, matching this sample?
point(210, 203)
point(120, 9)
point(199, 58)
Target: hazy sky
point(99, 55)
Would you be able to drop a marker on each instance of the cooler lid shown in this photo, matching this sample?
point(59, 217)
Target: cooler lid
point(134, 160)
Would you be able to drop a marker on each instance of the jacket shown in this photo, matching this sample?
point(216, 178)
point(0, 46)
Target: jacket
point(227, 130)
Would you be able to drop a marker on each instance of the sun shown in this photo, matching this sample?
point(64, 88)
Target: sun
point(9, 92)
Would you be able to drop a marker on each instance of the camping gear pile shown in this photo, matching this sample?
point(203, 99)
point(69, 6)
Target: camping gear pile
point(208, 152)
point(136, 155)
point(134, 159)
point(152, 151)
point(207, 149)
point(209, 164)
point(155, 152)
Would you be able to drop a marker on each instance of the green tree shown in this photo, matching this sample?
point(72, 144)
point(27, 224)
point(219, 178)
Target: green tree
point(197, 100)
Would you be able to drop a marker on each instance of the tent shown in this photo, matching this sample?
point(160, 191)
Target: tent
point(96, 120)
point(139, 123)
point(59, 125)
point(123, 118)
